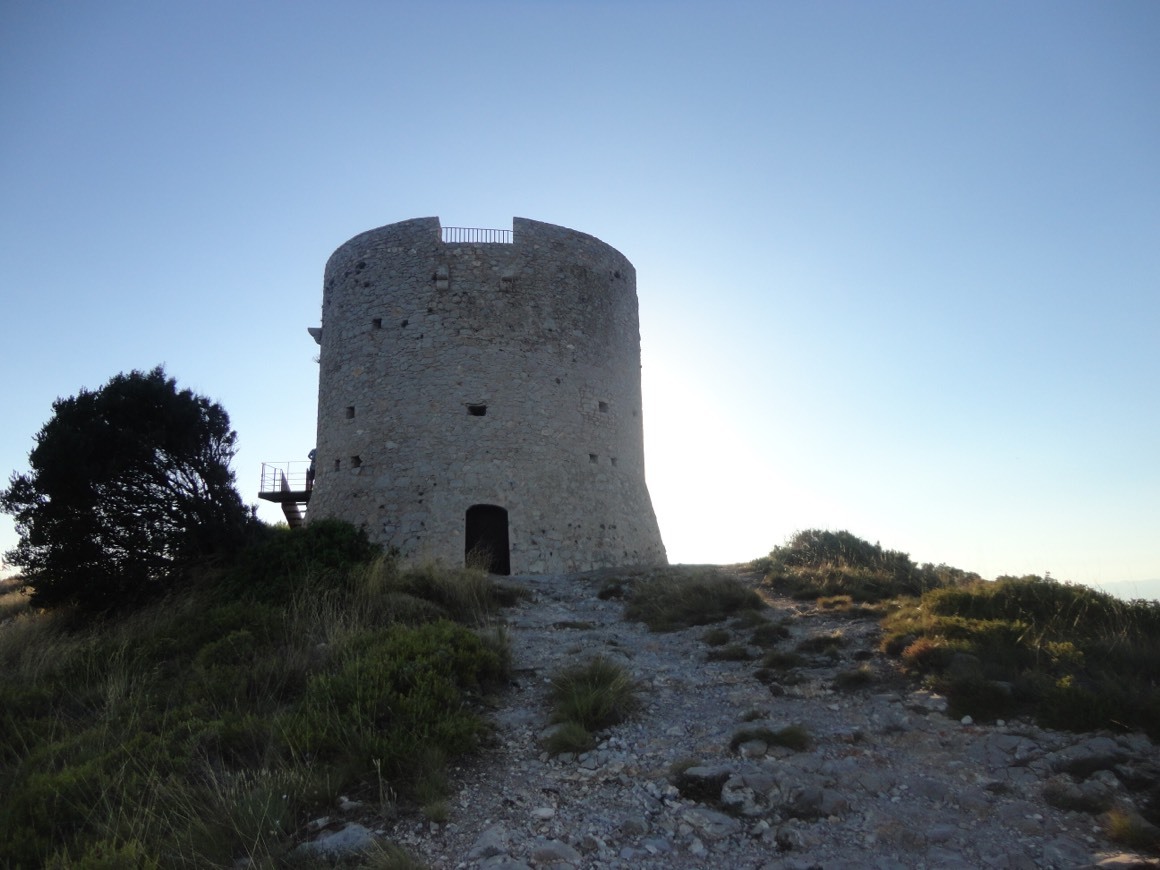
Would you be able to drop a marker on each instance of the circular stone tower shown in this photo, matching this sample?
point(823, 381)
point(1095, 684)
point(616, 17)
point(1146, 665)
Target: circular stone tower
point(480, 397)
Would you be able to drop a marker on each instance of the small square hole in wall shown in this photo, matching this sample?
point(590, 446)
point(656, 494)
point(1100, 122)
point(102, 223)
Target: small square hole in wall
point(613, 461)
point(337, 464)
point(350, 412)
point(355, 461)
point(592, 458)
point(477, 410)
point(377, 323)
point(603, 407)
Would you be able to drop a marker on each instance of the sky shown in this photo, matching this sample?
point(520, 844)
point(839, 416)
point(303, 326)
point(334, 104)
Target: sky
point(898, 262)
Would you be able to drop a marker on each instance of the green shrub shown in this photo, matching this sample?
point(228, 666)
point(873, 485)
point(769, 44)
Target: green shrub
point(467, 595)
point(715, 637)
point(669, 602)
point(388, 856)
point(768, 634)
point(279, 561)
point(1074, 657)
point(823, 644)
point(816, 563)
point(244, 717)
point(781, 661)
point(927, 655)
point(569, 736)
point(744, 620)
point(594, 695)
point(108, 855)
point(395, 695)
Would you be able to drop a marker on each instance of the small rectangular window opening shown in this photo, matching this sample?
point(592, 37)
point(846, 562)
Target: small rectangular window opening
point(377, 323)
point(592, 458)
point(355, 461)
point(613, 461)
point(477, 410)
point(350, 412)
point(337, 464)
point(603, 407)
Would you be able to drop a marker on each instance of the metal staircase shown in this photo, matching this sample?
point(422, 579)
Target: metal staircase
point(289, 484)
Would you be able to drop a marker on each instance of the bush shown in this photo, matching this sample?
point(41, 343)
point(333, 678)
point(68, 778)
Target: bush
point(279, 561)
point(823, 644)
point(467, 595)
point(394, 695)
point(669, 602)
point(769, 634)
point(244, 716)
point(569, 736)
point(1074, 657)
point(594, 695)
point(781, 661)
point(816, 563)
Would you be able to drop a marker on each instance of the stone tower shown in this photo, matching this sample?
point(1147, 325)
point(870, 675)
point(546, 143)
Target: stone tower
point(479, 395)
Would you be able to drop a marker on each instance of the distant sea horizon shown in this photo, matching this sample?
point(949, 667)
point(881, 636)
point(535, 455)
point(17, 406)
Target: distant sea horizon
point(1131, 589)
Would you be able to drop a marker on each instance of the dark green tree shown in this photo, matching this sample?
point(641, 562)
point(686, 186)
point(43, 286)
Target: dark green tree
point(129, 485)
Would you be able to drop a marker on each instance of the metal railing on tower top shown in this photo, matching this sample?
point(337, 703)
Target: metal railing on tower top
point(477, 236)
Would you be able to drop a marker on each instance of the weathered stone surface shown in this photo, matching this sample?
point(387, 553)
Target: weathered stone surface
point(710, 824)
point(490, 843)
point(350, 840)
point(1085, 758)
point(504, 375)
point(548, 853)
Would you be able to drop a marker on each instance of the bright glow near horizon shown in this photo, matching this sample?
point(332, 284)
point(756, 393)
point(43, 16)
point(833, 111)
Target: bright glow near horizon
point(898, 263)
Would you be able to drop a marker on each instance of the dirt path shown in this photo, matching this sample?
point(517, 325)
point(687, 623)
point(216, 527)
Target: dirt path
point(888, 781)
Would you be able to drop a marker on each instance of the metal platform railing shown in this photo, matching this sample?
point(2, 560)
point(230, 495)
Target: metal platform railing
point(280, 477)
point(290, 485)
point(477, 236)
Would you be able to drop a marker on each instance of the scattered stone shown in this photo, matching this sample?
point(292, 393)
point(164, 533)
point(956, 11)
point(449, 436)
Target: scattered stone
point(545, 853)
point(887, 782)
point(634, 826)
point(711, 825)
point(1066, 852)
point(490, 843)
point(348, 841)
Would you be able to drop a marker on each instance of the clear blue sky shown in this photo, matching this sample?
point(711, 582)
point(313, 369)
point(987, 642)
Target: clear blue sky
point(898, 262)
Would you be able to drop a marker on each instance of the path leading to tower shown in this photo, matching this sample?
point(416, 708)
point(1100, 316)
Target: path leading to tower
point(888, 780)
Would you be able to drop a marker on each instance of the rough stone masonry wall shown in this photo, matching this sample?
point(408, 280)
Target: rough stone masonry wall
point(419, 335)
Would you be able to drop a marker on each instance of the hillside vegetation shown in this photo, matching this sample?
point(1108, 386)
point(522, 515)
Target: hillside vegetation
point(211, 725)
point(1071, 656)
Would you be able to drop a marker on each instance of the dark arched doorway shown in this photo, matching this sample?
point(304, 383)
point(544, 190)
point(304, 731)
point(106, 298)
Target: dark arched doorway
point(486, 538)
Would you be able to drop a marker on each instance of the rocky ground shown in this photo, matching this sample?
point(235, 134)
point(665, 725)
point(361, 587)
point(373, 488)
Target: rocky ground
point(887, 780)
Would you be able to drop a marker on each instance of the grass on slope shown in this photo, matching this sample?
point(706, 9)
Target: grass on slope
point(208, 728)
